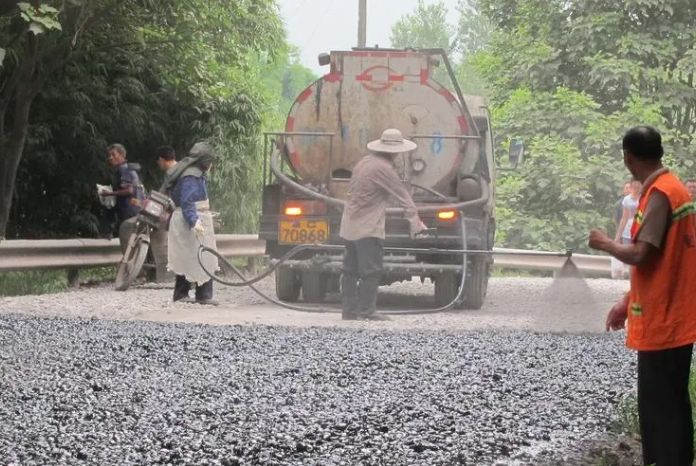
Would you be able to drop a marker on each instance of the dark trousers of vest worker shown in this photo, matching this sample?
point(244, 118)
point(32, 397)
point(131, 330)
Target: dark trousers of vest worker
point(182, 287)
point(664, 408)
point(362, 270)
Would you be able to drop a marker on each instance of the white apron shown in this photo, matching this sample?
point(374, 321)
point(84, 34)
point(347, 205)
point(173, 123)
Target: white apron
point(183, 243)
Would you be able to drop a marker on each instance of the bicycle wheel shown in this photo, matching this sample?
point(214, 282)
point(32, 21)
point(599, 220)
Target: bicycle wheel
point(132, 262)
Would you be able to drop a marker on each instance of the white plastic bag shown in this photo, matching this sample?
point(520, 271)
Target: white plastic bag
point(618, 269)
point(107, 201)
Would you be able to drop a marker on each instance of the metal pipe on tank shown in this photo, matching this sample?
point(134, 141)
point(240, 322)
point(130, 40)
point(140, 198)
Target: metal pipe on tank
point(278, 172)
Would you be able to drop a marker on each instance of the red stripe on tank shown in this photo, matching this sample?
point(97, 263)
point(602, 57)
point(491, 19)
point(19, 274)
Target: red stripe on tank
point(424, 77)
point(463, 124)
point(447, 94)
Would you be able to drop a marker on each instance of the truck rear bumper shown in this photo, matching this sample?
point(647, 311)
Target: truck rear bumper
point(397, 234)
point(406, 269)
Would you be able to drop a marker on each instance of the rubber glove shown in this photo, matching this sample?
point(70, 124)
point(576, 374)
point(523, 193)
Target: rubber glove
point(198, 227)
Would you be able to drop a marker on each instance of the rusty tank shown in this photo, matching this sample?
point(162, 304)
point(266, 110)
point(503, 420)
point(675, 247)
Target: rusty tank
point(364, 92)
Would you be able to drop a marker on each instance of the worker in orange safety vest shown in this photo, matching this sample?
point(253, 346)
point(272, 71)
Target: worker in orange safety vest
point(661, 304)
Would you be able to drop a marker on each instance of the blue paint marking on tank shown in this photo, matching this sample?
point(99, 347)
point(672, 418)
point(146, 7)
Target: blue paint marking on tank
point(436, 145)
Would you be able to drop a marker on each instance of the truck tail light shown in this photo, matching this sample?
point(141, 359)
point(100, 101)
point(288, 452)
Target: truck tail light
point(447, 215)
point(303, 208)
point(293, 211)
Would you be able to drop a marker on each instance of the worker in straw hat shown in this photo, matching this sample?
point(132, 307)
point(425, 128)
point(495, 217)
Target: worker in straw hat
point(373, 182)
point(661, 304)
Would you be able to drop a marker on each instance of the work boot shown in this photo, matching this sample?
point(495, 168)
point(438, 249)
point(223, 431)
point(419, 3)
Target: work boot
point(186, 300)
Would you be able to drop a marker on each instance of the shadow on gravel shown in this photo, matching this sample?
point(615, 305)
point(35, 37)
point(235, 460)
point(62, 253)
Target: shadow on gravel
point(609, 450)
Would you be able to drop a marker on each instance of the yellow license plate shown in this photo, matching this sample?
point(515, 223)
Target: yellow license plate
point(303, 231)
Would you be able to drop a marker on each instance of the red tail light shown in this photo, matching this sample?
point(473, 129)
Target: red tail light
point(304, 208)
point(293, 211)
point(447, 215)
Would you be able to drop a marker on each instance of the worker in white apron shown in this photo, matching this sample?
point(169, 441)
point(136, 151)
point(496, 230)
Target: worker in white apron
point(191, 225)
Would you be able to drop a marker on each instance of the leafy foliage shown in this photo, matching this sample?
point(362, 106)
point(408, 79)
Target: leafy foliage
point(570, 78)
point(426, 27)
point(143, 74)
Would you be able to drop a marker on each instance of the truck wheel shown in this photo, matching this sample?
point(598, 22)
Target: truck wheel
point(476, 284)
point(287, 285)
point(446, 289)
point(314, 287)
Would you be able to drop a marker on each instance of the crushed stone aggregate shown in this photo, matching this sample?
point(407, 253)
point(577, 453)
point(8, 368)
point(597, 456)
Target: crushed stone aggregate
point(88, 391)
point(89, 377)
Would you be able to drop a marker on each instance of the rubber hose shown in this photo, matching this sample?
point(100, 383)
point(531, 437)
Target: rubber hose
point(326, 310)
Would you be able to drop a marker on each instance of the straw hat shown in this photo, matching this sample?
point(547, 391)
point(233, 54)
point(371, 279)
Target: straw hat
point(392, 142)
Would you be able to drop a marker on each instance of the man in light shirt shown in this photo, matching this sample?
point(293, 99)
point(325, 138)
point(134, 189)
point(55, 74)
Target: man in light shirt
point(373, 182)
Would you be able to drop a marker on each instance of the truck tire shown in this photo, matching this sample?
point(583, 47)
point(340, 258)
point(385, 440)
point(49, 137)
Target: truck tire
point(476, 284)
point(446, 289)
point(288, 285)
point(314, 287)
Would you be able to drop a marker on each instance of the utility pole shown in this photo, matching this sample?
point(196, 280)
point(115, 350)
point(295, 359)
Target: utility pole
point(362, 24)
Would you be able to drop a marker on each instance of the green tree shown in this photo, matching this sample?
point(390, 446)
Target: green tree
point(570, 77)
point(610, 50)
point(142, 73)
point(474, 29)
point(426, 27)
point(162, 52)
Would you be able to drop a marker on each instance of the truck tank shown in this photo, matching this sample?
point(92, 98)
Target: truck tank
point(365, 93)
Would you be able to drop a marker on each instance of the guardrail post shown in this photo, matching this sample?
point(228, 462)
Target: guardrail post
point(252, 265)
point(73, 277)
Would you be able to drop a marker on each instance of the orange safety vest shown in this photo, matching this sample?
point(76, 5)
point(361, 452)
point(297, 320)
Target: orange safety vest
point(662, 300)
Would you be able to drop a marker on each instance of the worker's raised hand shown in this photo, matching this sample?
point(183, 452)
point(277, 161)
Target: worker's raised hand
point(418, 229)
point(599, 239)
point(616, 320)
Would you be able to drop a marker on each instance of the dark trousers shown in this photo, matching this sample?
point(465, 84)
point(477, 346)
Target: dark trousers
point(664, 407)
point(362, 270)
point(182, 287)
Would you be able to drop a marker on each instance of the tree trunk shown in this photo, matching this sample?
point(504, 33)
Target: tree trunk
point(12, 148)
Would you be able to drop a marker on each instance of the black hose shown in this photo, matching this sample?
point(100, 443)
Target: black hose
point(323, 310)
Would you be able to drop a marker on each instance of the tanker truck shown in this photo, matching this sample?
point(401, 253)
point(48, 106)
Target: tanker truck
point(366, 91)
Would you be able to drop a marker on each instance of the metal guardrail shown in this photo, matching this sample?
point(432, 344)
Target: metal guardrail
point(22, 255)
point(528, 260)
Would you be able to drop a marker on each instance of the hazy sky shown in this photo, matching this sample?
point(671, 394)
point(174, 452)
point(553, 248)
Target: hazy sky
point(318, 26)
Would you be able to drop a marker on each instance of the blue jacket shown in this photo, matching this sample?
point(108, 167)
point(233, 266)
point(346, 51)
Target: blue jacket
point(126, 177)
point(187, 191)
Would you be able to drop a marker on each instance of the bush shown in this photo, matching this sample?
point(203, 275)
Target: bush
point(48, 281)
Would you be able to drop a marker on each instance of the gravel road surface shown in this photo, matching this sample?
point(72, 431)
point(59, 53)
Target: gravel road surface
point(540, 305)
point(100, 377)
